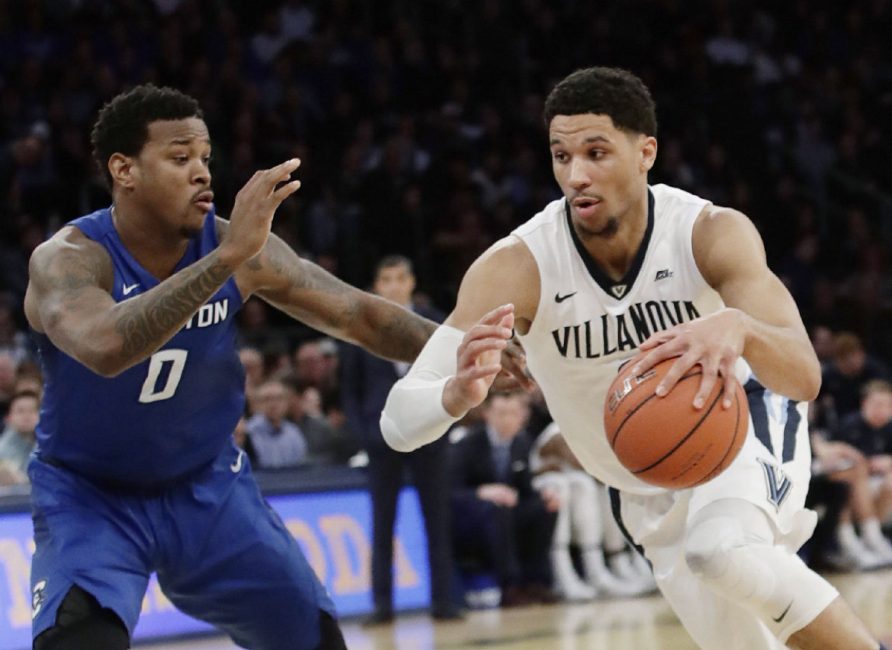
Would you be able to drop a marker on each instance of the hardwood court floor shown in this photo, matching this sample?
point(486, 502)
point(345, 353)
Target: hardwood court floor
point(640, 624)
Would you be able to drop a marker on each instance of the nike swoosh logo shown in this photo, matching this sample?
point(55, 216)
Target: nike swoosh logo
point(559, 298)
point(128, 290)
point(236, 466)
point(781, 617)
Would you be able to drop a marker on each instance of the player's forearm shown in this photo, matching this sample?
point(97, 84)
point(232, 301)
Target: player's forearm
point(782, 358)
point(136, 328)
point(390, 331)
point(414, 414)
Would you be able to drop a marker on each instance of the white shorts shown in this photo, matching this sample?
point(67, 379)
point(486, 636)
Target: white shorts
point(772, 472)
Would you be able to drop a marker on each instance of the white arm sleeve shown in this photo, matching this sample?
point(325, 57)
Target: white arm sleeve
point(414, 415)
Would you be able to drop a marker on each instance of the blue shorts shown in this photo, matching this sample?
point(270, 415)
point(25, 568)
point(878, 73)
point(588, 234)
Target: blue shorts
point(222, 555)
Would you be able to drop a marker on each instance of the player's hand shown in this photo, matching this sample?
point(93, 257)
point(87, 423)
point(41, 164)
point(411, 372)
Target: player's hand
point(479, 361)
point(713, 342)
point(252, 214)
point(514, 369)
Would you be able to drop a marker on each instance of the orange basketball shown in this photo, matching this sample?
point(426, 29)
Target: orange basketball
point(665, 440)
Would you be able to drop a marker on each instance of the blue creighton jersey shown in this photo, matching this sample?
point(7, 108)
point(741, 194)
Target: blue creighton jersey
point(163, 418)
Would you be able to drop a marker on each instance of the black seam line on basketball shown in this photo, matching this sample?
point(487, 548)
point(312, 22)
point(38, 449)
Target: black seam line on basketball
point(712, 473)
point(683, 440)
point(642, 403)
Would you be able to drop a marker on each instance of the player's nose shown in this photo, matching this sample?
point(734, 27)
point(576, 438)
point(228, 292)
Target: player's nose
point(578, 178)
point(201, 173)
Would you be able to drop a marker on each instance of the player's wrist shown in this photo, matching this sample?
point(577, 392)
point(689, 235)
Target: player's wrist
point(454, 402)
point(230, 256)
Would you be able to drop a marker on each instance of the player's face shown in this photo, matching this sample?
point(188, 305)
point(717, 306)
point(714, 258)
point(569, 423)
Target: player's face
point(171, 177)
point(601, 170)
point(395, 283)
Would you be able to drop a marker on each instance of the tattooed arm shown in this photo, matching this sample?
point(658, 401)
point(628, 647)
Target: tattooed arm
point(69, 299)
point(313, 296)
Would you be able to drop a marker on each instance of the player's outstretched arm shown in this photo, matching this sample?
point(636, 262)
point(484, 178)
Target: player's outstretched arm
point(457, 367)
point(69, 291)
point(314, 296)
point(761, 321)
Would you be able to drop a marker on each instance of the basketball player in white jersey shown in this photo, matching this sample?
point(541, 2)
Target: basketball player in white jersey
point(617, 268)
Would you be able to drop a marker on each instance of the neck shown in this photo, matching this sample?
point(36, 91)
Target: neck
point(616, 252)
point(157, 250)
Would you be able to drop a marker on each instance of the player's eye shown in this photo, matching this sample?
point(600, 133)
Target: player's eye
point(560, 156)
point(182, 160)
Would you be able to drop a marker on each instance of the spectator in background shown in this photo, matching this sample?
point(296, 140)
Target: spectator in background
point(365, 382)
point(870, 549)
point(12, 340)
point(870, 432)
point(500, 519)
point(580, 520)
point(315, 363)
point(17, 440)
point(252, 362)
point(326, 445)
point(843, 378)
point(7, 380)
point(277, 442)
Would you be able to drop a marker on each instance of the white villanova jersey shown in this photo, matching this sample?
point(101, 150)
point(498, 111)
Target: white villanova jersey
point(586, 324)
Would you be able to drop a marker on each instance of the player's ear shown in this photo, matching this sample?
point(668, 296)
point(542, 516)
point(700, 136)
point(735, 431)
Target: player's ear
point(648, 152)
point(121, 168)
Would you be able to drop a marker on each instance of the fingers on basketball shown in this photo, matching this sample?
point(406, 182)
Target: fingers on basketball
point(666, 441)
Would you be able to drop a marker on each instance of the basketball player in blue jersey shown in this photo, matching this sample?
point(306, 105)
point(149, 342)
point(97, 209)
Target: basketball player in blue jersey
point(618, 268)
point(133, 308)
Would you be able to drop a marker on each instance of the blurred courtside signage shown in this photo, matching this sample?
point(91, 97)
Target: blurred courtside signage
point(333, 528)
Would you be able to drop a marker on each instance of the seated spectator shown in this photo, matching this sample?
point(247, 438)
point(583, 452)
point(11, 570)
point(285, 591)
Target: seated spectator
point(277, 441)
point(326, 444)
point(828, 495)
point(869, 549)
point(870, 432)
point(499, 518)
point(17, 440)
point(579, 520)
point(8, 367)
point(843, 378)
point(252, 362)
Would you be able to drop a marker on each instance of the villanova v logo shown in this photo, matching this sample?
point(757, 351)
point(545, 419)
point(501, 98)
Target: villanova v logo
point(779, 485)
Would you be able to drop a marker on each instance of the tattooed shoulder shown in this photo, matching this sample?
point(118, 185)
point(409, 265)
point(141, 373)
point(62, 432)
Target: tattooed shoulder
point(69, 262)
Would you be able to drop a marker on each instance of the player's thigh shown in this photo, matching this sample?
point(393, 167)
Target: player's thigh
point(246, 574)
point(88, 538)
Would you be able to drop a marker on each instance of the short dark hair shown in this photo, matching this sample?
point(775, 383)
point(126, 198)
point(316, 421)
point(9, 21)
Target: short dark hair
point(393, 260)
point(123, 123)
point(614, 92)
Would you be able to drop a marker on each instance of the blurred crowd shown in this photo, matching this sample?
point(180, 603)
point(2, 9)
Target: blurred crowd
point(419, 127)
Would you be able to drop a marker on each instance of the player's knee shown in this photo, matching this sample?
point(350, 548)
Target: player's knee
point(83, 624)
point(707, 547)
point(330, 633)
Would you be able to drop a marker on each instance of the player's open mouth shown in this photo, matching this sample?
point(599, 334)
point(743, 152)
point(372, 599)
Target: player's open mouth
point(204, 201)
point(585, 207)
